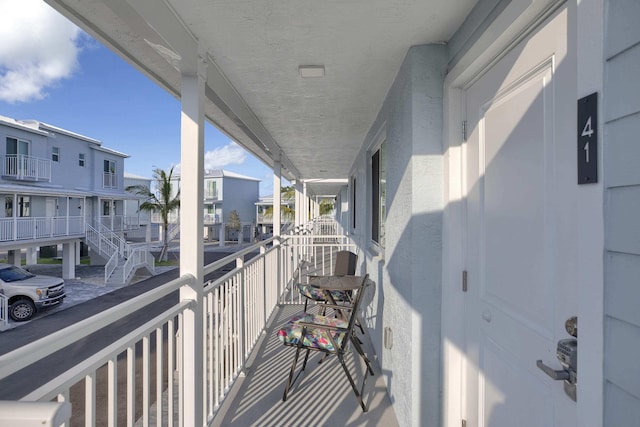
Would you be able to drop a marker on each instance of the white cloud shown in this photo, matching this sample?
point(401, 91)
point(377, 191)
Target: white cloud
point(218, 158)
point(230, 154)
point(39, 48)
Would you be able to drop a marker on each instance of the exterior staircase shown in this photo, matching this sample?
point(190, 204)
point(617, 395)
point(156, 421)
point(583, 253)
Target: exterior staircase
point(123, 259)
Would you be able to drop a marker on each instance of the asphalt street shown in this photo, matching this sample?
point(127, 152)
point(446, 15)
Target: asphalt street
point(22, 382)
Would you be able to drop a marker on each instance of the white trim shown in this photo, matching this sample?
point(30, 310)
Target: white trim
point(376, 143)
point(588, 27)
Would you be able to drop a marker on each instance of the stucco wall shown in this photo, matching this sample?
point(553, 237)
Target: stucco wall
point(408, 271)
point(621, 107)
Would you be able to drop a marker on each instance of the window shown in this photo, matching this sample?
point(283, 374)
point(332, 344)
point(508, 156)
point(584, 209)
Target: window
point(109, 179)
point(378, 194)
point(55, 154)
point(17, 146)
point(211, 191)
point(24, 206)
point(353, 203)
point(81, 159)
point(109, 166)
point(8, 206)
point(106, 207)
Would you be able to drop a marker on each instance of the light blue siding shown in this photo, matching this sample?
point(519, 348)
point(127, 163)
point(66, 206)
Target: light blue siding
point(240, 195)
point(621, 110)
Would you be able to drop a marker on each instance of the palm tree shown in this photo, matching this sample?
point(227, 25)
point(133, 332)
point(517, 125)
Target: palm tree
point(163, 201)
point(287, 213)
point(326, 207)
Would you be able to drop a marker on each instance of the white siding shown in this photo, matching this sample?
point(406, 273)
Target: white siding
point(621, 108)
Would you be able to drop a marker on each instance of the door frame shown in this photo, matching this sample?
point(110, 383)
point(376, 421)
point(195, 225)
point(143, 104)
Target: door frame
point(518, 19)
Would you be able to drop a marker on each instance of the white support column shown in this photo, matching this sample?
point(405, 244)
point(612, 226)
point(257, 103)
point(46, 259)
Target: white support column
point(221, 234)
point(14, 257)
point(15, 217)
point(192, 237)
point(299, 204)
point(277, 197)
point(305, 204)
point(69, 260)
point(32, 255)
point(77, 249)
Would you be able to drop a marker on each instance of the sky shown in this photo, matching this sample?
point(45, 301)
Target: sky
point(53, 72)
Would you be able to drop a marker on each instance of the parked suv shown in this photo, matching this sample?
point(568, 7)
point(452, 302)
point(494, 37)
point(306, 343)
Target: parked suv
point(28, 293)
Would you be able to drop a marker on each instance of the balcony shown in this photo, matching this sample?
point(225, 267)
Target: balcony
point(109, 180)
point(29, 228)
point(120, 222)
point(214, 359)
point(26, 168)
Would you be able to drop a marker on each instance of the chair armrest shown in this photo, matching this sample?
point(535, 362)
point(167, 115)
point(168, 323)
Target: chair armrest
point(321, 326)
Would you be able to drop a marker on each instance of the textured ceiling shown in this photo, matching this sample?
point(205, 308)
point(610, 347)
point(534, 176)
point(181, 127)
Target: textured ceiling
point(255, 47)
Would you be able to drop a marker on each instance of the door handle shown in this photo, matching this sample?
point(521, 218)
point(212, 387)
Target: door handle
point(555, 375)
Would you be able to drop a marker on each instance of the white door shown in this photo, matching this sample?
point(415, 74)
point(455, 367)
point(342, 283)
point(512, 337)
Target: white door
point(520, 239)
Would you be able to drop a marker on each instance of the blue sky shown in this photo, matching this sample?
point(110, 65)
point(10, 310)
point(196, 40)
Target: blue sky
point(52, 72)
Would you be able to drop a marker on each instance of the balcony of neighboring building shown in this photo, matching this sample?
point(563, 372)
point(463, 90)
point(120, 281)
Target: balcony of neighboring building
point(39, 228)
point(20, 167)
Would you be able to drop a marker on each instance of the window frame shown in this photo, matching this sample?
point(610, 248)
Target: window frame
point(55, 154)
point(82, 160)
point(377, 174)
point(354, 183)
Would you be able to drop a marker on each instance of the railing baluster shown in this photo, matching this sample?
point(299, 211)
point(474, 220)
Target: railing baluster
point(112, 392)
point(171, 369)
point(90, 399)
point(131, 386)
point(146, 380)
point(159, 375)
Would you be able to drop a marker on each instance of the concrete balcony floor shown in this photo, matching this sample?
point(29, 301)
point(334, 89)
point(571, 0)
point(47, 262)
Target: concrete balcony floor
point(321, 396)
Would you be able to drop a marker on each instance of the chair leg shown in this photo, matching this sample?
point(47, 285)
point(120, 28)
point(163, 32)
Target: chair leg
point(356, 343)
point(357, 392)
point(291, 381)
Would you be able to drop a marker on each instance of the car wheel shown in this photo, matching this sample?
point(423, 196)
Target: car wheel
point(22, 310)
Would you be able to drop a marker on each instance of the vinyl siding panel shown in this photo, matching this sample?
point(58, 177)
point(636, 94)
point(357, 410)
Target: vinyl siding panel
point(620, 407)
point(621, 151)
point(623, 290)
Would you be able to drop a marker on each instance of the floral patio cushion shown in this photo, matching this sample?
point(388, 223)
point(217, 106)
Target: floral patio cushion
point(315, 294)
point(318, 338)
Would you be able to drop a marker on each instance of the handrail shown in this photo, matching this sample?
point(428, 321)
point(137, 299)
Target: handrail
point(94, 237)
point(29, 353)
point(235, 310)
point(111, 266)
point(174, 229)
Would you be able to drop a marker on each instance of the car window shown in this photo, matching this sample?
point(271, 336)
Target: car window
point(13, 274)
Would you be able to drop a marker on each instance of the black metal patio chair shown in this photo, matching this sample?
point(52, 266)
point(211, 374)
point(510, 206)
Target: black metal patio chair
point(329, 335)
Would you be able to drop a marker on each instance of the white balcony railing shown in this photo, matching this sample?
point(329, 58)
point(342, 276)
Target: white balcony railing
point(120, 222)
point(235, 311)
point(109, 180)
point(21, 167)
point(26, 228)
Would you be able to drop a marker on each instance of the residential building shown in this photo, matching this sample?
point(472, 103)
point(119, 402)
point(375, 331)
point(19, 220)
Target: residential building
point(264, 214)
point(492, 197)
point(147, 231)
point(225, 192)
point(57, 185)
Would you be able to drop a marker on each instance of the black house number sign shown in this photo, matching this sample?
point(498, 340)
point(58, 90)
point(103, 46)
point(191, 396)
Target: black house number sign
point(588, 139)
